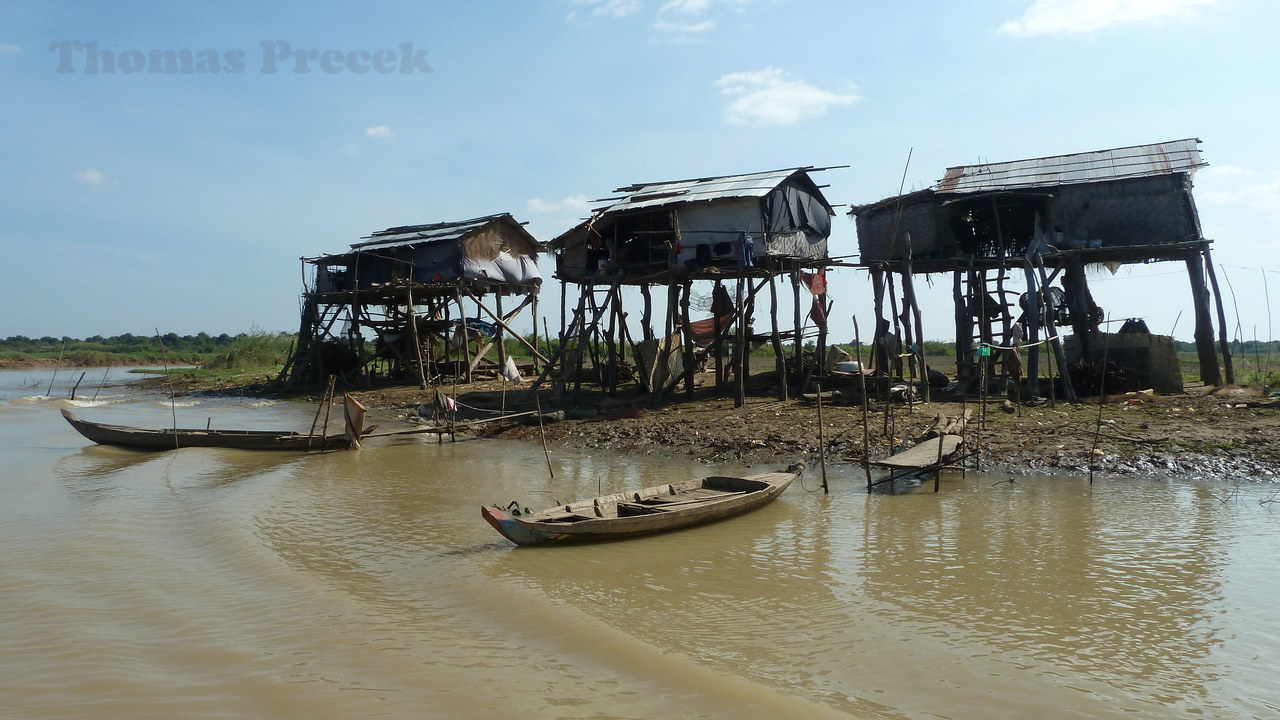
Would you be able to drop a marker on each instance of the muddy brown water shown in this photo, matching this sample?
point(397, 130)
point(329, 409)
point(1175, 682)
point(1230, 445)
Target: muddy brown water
point(212, 583)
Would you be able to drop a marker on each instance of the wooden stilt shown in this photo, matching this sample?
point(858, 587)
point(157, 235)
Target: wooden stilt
point(1225, 347)
point(1210, 373)
point(866, 413)
point(687, 338)
point(799, 333)
point(779, 360)
point(740, 353)
point(909, 300)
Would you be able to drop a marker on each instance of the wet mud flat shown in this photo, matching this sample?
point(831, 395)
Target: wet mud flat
point(1225, 433)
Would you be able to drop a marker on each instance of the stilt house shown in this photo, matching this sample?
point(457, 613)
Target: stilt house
point(742, 229)
point(1041, 219)
point(396, 303)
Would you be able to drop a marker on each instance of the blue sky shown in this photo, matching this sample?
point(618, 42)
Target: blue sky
point(182, 201)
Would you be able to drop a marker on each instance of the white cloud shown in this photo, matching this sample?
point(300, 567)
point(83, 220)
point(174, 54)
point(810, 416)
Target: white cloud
point(7, 49)
point(572, 203)
point(678, 21)
point(684, 19)
point(605, 8)
point(95, 180)
point(382, 132)
point(1049, 17)
point(1224, 171)
point(773, 96)
point(1234, 186)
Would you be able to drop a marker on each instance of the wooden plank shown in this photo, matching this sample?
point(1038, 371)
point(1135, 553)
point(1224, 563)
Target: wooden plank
point(923, 455)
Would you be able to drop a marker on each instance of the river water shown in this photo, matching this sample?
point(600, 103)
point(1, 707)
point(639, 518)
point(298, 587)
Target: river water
point(211, 583)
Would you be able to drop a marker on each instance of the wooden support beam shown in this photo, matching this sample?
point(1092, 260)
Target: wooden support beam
point(1210, 373)
point(1222, 319)
point(1034, 317)
point(909, 301)
point(740, 352)
point(504, 322)
point(799, 332)
point(687, 335)
point(779, 360)
point(1051, 330)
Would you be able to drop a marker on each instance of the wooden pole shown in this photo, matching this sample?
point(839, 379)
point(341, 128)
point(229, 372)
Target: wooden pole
point(77, 385)
point(862, 381)
point(822, 437)
point(1051, 331)
point(909, 290)
point(779, 360)
point(316, 420)
point(740, 353)
point(1102, 401)
point(1227, 365)
point(543, 432)
point(466, 333)
point(536, 367)
point(687, 338)
point(1209, 371)
point(101, 384)
point(964, 330)
point(799, 337)
point(49, 392)
point(413, 336)
point(717, 343)
point(173, 407)
point(1035, 293)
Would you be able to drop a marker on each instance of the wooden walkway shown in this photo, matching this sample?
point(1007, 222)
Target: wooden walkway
point(930, 455)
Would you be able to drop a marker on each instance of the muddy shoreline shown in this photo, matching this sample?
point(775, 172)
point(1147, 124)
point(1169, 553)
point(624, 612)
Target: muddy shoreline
point(1224, 433)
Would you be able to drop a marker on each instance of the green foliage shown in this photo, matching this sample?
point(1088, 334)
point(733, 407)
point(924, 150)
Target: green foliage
point(130, 349)
point(1268, 379)
point(256, 348)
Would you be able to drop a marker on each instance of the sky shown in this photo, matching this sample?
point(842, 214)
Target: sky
point(137, 197)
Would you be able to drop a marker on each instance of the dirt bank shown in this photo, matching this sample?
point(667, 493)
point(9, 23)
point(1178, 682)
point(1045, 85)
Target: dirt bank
point(1224, 432)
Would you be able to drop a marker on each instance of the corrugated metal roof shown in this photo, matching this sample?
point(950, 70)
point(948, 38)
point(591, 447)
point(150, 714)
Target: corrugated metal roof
point(1177, 156)
point(436, 232)
point(725, 187)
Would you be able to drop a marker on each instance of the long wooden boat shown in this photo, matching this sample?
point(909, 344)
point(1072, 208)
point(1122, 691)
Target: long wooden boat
point(173, 438)
point(652, 510)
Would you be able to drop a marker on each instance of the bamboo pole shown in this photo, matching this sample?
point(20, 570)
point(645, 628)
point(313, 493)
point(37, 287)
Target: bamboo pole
point(173, 408)
point(543, 432)
point(417, 340)
point(49, 392)
point(328, 393)
point(100, 384)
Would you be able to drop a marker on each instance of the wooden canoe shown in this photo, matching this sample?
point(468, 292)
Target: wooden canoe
point(652, 510)
point(173, 438)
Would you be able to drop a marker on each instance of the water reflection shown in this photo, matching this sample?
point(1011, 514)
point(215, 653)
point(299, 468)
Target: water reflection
point(1089, 580)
